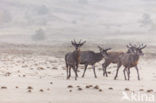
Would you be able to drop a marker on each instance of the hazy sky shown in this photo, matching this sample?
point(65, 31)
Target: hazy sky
point(78, 16)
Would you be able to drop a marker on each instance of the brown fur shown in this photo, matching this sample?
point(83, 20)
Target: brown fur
point(128, 60)
point(113, 57)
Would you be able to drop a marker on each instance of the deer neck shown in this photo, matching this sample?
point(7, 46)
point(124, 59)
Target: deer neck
point(136, 59)
point(76, 54)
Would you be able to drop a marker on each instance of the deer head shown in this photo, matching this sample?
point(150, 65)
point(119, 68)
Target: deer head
point(137, 49)
point(131, 48)
point(77, 45)
point(104, 51)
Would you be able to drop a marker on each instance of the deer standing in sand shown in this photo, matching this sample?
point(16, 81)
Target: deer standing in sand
point(91, 58)
point(72, 59)
point(129, 60)
point(113, 57)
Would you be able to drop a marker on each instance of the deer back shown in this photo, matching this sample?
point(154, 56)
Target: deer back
point(113, 56)
point(90, 57)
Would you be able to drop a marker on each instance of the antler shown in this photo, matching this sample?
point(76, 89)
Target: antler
point(73, 42)
point(132, 45)
point(79, 43)
point(142, 46)
point(82, 42)
point(100, 47)
point(108, 49)
point(104, 49)
point(129, 45)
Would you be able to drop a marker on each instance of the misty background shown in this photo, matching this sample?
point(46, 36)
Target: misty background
point(59, 21)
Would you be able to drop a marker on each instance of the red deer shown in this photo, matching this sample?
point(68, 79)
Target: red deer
point(91, 58)
point(129, 60)
point(113, 58)
point(72, 59)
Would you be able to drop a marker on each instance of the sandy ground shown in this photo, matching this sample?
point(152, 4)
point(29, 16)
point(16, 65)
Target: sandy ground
point(42, 79)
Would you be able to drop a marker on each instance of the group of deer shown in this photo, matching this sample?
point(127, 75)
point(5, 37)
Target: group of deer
point(128, 59)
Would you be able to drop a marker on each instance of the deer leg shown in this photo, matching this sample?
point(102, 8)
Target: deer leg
point(128, 72)
point(84, 70)
point(118, 67)
point(104, 69)
point(74, 69)
point(124, 71)
point(136, 67)
point(93, 66)
point(69, 72)
point(105, 65)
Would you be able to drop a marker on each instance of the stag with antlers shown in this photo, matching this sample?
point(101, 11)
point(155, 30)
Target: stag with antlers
point(130, 59)
point(72, 59)
point(113, 58)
